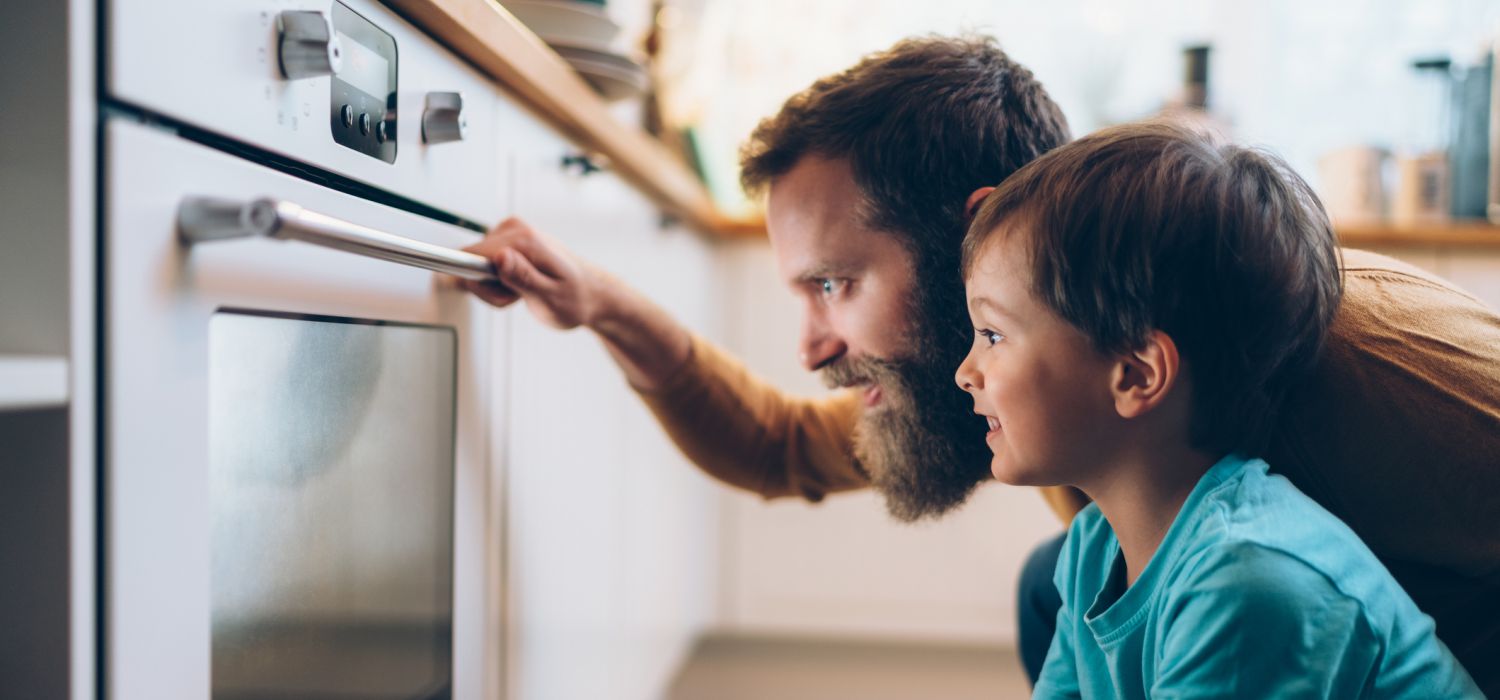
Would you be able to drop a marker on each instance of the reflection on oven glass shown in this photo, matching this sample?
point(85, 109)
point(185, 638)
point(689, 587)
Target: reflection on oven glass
point(331, 470)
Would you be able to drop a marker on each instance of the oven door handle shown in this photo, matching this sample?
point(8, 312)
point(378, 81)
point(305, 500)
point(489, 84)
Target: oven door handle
point(204, 219)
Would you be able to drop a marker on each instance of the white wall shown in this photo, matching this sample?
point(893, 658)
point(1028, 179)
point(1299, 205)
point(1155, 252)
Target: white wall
point(1301, 77)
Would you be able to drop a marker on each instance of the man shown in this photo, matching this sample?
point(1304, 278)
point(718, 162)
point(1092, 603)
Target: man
point(871, 175)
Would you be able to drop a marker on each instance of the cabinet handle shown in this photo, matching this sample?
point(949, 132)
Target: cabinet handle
point(585, 163)
point(205, 219)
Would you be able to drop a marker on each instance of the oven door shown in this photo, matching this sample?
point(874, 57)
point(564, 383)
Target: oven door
point(298, 490)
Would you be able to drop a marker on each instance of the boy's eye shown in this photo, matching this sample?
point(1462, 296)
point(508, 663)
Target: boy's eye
point(990, 337)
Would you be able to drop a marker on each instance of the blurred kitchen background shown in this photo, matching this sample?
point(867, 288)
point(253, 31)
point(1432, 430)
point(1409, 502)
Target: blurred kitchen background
point(1383, 105)
point(589, 559)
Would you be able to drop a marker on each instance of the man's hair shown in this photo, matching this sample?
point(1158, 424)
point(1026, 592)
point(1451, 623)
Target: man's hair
point(921, 125)
point(1163, 226)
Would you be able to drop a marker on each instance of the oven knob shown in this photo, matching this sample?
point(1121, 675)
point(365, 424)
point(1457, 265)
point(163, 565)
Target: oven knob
point(444, 119)
point(309, 48)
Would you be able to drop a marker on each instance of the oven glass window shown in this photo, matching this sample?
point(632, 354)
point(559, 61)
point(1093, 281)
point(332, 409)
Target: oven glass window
point(331, 471)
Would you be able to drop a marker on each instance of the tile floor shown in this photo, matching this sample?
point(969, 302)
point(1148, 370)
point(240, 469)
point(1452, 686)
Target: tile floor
point(772, 668)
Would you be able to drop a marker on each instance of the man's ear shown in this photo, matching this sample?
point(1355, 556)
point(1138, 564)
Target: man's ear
point(976, 198)
point(1144, 377)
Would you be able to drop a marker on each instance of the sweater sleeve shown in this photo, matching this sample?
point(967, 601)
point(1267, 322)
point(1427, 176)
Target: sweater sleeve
point(749, 434)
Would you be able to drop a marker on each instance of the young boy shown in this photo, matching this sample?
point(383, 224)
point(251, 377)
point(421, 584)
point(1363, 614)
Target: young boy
point(1142, 298)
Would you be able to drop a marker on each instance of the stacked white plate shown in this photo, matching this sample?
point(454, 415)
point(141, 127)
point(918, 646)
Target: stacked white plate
point(581, 33)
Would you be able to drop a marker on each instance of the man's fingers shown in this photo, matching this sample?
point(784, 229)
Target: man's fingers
point(493, 293)
point(517, 272)
point(540, 251)
point(498, 238)
point(515, 234)
point(530, 266)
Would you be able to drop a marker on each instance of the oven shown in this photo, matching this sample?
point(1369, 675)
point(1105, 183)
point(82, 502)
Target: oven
point(301, 498)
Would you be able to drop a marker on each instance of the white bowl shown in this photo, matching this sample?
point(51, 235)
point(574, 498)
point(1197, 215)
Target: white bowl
point(567, 21)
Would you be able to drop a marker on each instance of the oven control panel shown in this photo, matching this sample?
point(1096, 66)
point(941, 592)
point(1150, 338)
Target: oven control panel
point(362, 94)
point(360, 61)
point(346, 87)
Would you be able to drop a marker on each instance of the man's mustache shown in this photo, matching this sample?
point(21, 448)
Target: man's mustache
point(852, 371)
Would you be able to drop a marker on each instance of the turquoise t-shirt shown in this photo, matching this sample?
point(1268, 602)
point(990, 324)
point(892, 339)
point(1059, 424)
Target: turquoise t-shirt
point(1256, 592)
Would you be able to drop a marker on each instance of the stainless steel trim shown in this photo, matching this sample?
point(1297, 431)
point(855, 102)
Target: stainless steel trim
point(205, 219)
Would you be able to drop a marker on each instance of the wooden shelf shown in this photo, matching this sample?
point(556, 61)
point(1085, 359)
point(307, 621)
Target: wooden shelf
point(1457, 234)
point(500, 45)
point(32, 381)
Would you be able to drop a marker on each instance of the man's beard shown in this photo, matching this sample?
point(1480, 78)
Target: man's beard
point(923, 447)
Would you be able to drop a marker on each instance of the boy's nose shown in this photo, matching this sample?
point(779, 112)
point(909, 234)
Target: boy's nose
point(967, 377)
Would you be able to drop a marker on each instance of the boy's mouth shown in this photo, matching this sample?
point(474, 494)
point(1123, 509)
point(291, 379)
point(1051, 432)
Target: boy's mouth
point(992, 423)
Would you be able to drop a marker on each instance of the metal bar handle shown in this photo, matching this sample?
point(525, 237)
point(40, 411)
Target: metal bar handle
point(204, 219)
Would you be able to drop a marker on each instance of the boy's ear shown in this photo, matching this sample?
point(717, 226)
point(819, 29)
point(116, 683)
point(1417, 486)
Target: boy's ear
point(1143, 377)
point(976, 198)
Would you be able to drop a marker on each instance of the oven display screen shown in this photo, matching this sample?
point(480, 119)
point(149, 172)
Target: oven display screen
point(331, 464)
point(363, 68)
point(362, 95)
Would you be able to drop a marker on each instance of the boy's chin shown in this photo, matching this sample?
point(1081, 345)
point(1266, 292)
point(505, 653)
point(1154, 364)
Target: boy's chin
point(1007, 471)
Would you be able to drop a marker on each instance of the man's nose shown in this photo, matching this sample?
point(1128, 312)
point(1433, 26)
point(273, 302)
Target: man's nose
point(819, 346)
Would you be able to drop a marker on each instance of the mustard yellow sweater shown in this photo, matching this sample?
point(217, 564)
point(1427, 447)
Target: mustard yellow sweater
point(1397, 433)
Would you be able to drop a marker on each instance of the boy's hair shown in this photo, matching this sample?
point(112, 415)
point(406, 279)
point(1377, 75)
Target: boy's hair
point(922, 125)
point(1161, 226)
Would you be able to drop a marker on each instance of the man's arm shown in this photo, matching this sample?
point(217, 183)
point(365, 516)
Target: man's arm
point(734, 426)
point(751, 435)
point(565, 292)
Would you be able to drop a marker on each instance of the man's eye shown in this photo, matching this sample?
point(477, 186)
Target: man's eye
point(831, 286)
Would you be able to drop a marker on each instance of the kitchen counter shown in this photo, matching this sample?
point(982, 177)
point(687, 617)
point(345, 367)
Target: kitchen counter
point(1456, 234)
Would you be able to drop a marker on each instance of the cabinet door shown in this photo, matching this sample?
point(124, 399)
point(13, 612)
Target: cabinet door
point(612, 533)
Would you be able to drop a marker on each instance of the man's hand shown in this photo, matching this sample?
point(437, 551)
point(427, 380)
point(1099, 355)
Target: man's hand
point(566, 292)
point(559, 289)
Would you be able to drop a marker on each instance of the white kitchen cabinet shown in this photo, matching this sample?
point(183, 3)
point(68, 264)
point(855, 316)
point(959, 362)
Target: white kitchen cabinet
point(612, 534)
point(29, 382)
point(47, 344)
